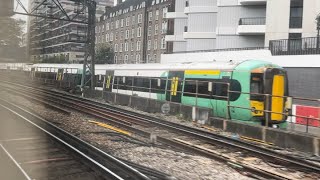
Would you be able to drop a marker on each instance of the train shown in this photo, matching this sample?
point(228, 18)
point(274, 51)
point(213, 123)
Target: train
point(253, 91)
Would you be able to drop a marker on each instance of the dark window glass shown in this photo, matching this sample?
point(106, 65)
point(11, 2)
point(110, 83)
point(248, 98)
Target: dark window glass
point(256, 86)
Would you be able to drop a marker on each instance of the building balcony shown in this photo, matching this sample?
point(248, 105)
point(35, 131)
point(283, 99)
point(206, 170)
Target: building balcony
point(176, 15)
point(252, 26)
point(199, 35)
point(253, 2)
point(175, 38)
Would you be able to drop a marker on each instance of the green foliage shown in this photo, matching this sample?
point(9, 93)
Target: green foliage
point(55, 59)
point(104, 54)
point(318, 21)
point(11, 31)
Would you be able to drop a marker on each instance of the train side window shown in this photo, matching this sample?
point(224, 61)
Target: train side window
point(155, 85)
point(256, 86)
point(221, 90)
point(190, 88)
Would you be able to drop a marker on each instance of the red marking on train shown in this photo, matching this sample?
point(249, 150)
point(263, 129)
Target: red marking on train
point(308, 111)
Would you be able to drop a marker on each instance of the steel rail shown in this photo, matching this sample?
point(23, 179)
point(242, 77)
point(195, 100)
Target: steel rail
point(204, 135)
point(207, 136)
point(182, 146)
point(107, 163)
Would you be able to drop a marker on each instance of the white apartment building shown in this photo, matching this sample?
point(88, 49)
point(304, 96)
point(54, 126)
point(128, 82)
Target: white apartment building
point(55, 38)
point(222, 24)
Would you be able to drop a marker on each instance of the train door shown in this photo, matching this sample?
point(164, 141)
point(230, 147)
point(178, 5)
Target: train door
point(174, 86)
point(60, 74)
point(276, 85)
point(222, 94)
point(108, 81)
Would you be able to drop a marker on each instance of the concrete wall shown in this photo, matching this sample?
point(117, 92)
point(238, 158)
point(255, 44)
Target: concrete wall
point(277, 22)
point(285, 139)
point(310, 11)
point(278, 15)
point(218, 56)
point(300, 87)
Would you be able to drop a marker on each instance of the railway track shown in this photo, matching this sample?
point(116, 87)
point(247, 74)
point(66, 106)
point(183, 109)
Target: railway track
point(187, 138)
point(43, 150)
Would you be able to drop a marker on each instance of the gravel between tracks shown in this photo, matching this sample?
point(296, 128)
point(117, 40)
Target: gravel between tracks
point(180, 165)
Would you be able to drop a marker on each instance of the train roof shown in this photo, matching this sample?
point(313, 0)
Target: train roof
point(155, 66)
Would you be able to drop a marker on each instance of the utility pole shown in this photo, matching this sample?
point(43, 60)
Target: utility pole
point(89, 59)
point(318, 34)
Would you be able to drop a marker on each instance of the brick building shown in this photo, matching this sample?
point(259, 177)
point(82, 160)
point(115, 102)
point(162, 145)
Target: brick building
point(136, 29)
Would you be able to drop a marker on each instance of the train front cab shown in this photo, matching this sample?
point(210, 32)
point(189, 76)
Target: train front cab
point(269, 91)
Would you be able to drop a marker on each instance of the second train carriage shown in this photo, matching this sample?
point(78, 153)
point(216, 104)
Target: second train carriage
point(246, 82)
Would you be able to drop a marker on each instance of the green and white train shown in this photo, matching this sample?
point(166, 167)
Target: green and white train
point(234, 90)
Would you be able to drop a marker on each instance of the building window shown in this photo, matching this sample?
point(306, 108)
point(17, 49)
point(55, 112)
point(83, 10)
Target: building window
point(121, 47)
point(122, 22)
point(155, 46)
point(117, 24)
point(138, 58)
point(149, 44)
point(148, 58)
point(111, 37)
point(107, 27)
point(121, 35)
point(164, 27)
point(115, 59)
point(132, 46)
point(107, 38)
point(155, 58)
point(126, 57)
point(96, 29)
point(116, 36)
point(133, 19)
point(111, 25)
point(138, 45)
point(127, 34)
point(127, 21)
point(156, 28)
point(139, 32)
point(149, 31)
point(132, 33)
point(150, 16)
point(102, 28)
point(126, 47)
point(296, 14)
point(164, 12)
point(157, 14)
point(116, 48)
point(140, 18)
point(163, 43)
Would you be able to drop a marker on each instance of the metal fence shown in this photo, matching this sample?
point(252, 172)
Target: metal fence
point(301, 46)
point(252, 21)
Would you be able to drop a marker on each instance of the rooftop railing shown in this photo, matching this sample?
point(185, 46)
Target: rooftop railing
point(252, 21)
point(300, 46)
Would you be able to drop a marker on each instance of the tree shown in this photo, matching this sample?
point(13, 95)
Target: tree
point(11, 31)
point(104, 54)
